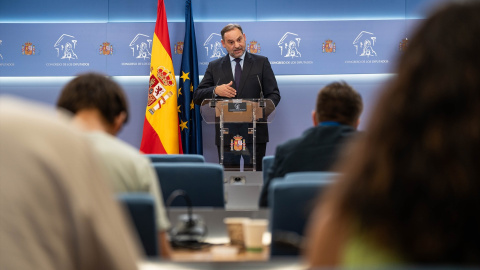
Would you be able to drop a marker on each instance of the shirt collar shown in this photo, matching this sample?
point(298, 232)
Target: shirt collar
point(329, 123)
point(241, 57)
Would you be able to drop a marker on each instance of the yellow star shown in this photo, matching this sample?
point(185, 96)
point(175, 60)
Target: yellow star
point(183, 125)
point(192, 106)
point(178, 108)
point(191, 87)
point(185, 76)
point(179, 91)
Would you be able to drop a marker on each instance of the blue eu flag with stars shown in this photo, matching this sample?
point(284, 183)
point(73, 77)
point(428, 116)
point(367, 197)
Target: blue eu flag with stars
point(189, 113)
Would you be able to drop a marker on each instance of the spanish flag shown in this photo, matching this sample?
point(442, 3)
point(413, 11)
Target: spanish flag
point(161, 132)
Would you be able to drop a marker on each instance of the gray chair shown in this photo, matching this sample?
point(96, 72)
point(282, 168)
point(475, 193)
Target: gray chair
point(203, 182)
point(267, 162)
point(291, 203)
point(140, 207)
point(175, 158)
point(311, 176)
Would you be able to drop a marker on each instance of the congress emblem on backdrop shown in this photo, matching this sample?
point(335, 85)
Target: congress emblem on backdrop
point(178, 48)
point(237, 143)
point(213, 46)
point(106, 48)
point(329, 46)
point(364, 43)
point(141, 46)
point(403, 45)
point(28, 48)
point(253, 47)
point(65, 47)
point(289, 44)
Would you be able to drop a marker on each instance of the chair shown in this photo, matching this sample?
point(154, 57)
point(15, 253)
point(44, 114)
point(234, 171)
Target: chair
point(291, 204)
point(203, 182)
point(175, 158)
point(311, 176)
point(267, 162)
point(141, 209)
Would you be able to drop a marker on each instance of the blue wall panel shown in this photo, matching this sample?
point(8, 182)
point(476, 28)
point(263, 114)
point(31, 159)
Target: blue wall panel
point(264, 21)
point(53, 11)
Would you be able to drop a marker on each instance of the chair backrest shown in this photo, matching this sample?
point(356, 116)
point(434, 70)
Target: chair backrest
point(203, 182)
point(291, 204)
point(175, 157)
point(141, 209)
point(311, 176)
point(267, 162)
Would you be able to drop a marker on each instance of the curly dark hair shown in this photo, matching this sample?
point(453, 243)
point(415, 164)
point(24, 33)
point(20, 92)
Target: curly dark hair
point(413, 181)
point(94, 91)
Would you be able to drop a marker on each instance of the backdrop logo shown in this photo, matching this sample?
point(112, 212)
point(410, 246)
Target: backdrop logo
point(106, 48)
point(28, 48)
point(329, 46)
point(253, 47)
point(213, 46)
point(65, 47)
point(403, 45)
point(141, 46)
point(178, 47)
point(364, 43)
point(289, 44)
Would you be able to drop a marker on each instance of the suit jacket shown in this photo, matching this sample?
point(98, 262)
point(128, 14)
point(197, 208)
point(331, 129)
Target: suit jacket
point(316, 150)
point(220, 72)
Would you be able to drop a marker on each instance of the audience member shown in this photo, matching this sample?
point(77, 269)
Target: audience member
point(409, 193)
point(56, 209)
point(100, 108)
point(335, 120)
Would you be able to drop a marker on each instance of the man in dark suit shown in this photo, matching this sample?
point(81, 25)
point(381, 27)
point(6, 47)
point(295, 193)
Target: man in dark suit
point(239, 75)
point(335, 120)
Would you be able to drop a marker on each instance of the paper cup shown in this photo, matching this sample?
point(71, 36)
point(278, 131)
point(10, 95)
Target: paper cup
point(253, 231)
point(235, 230)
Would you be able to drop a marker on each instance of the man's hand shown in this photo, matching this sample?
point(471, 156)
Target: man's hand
point(226, 90)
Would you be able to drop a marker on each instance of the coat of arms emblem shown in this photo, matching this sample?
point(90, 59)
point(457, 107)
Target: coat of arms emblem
point(28, 48)
point(237, 143)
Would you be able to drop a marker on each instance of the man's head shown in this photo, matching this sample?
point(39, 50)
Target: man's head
point(338, 102)
point(92, 92)
point(233, 39)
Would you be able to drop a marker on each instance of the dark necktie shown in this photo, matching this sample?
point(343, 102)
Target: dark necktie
point(238, 72)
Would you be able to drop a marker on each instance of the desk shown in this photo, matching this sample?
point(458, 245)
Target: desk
point(217, 234)
point(283, 264)
point(206, 255)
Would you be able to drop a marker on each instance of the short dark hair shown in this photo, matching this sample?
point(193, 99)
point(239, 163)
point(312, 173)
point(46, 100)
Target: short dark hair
point(339, 102)
point(230, 27)
point(94, 91)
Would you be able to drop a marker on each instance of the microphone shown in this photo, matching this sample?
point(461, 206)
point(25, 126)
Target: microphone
point(191, 229)
point(213, 101)
point(262, 101)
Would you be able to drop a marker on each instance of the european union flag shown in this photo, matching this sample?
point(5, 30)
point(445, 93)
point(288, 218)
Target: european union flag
point(189, 113)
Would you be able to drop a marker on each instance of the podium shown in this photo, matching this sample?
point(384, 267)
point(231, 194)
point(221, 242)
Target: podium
point(239, 116)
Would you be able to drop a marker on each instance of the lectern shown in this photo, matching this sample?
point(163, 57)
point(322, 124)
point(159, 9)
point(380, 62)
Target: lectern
point(236, 117)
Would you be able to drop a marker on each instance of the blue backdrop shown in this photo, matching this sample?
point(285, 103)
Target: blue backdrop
point(309, 43)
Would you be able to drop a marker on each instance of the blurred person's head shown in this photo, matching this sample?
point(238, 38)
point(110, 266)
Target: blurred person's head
point(338, 102)
point(94, 96)
point(413, 183)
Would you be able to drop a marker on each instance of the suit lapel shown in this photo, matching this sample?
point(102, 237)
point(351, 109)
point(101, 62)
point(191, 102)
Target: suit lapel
point(227, 69)
point(247, 67)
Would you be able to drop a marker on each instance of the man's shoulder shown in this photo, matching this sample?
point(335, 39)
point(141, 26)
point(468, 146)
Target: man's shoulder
point(113, 146)
point(219, 60)
point(256, 56)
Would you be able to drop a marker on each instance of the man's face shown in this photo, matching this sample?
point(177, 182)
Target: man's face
point(234, 42)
